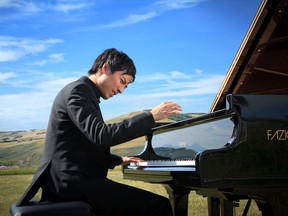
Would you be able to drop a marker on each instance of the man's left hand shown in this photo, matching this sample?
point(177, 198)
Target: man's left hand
point(128, 160)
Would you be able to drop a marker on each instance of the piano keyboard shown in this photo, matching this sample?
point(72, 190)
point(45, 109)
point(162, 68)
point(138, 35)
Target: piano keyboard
point(164, 163)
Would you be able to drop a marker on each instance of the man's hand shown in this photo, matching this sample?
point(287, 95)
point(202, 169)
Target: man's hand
point(128, 160)
point(165, 110)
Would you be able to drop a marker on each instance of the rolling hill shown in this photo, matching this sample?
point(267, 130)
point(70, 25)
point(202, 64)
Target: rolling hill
point(24, 148)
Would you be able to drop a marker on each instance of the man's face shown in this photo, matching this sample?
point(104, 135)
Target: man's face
point(112, 84)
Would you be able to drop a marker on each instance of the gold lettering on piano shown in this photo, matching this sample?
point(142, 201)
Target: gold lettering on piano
point(277, 135)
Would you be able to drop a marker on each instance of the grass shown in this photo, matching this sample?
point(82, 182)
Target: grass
point(13, 186)
point(21, 151)
point(18, 171)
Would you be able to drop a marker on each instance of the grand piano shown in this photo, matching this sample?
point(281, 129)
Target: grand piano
point(239, 150)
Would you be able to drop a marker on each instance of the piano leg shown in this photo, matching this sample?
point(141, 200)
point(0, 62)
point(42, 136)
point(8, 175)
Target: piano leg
point(271, 201)
point(217, 207)
point(213, 206)
point(179, 199)
point(264, 207)
point(277, 203)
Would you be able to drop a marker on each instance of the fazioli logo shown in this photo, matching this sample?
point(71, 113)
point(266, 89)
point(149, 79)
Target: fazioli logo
point(277, 135)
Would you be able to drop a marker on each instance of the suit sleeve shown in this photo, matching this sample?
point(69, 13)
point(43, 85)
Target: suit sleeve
point(83, 109)
point(114, 160)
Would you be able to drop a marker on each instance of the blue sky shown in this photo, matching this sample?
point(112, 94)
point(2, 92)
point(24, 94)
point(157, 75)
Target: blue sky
point(182, 50)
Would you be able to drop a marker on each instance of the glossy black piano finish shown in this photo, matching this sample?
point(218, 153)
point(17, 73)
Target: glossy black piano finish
point(255, 164)
point(259, 149)
point(252, 162)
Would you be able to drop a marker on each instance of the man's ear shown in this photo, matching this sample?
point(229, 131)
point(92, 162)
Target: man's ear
point(105, 68)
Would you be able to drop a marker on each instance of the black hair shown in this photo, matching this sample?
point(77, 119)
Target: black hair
point(117, 60)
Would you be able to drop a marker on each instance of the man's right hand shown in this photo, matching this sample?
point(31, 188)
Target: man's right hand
point(165, 109)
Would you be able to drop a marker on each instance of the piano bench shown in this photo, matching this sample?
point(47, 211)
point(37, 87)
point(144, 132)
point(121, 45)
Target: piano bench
point(72, 208)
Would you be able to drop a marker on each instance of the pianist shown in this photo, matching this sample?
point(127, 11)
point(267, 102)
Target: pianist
point(77, 147)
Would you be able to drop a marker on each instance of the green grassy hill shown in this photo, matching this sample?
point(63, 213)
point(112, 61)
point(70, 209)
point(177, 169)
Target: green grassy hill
point(21, 148)
point(24, 148)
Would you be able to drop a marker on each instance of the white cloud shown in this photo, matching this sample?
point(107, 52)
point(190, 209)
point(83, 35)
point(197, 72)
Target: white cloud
point(198, 71)
point(56, 57)
point(156, 9)
point(52, 58)
point(194, 93)
point(9, 55)
point(30, 110)
point(7, 3)
point(37, 6)
point(25, 6)
point(152, 78)
point(185, 87)
point(131, 19)
point(13, 48)
point(69, 6)
point(178, 75)
point(22, 111)
point(21, 9)
point(178, 4)
point(168, 77)
point(54, 84)
point(5, 76)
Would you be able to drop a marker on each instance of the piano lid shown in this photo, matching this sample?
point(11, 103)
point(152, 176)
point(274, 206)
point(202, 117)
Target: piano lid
point(261, 64)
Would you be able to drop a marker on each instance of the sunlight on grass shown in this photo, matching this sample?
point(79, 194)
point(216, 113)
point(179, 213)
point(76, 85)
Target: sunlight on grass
point(13, 186)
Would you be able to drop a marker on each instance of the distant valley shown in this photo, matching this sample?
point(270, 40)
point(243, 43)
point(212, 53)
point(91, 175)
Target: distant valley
point(24, 148)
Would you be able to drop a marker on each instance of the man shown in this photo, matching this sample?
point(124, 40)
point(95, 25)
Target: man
point(77, 155)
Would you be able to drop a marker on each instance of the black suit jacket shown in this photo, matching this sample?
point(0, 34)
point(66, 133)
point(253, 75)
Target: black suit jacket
point(78, 142)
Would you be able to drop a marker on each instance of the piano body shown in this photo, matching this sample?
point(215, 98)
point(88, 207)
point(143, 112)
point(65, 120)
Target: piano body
point(239, 150)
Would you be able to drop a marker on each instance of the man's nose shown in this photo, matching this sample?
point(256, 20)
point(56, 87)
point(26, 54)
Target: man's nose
point(120, 89)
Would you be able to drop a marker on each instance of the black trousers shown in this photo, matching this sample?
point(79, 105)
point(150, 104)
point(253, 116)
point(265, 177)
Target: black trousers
point(108, 197)
point(127, 200)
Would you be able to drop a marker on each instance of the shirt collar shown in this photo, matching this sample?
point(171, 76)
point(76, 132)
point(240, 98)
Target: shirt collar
point(93, 86)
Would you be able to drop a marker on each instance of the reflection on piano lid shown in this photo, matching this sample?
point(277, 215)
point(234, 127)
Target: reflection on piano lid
point(181, 141)
point(187, 142)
